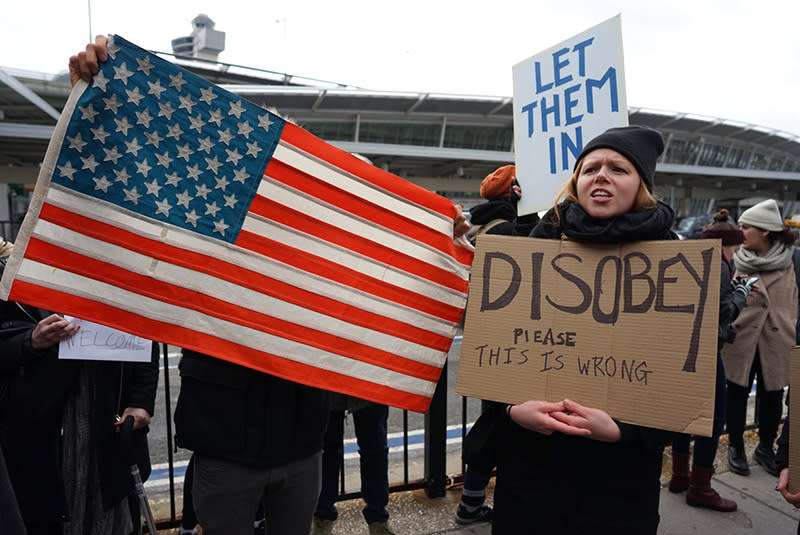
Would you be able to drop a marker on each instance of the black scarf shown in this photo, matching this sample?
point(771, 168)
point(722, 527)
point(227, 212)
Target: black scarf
point(494, 209)
point(577, 225)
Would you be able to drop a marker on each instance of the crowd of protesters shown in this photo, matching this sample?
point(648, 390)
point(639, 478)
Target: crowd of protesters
point(259, 443)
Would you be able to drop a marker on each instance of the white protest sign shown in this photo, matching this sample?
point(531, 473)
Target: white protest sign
point(564, 97)
point(98, 342)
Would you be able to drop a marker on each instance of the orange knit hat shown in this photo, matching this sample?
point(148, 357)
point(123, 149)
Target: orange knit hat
point(498, 183)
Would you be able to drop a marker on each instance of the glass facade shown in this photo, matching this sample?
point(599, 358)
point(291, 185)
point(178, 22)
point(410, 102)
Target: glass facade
point(758, 161)
point(332, 131)
point(681, 150)
point(424, 135)
point(776, 163)
point(710, 154)
point(737, 158)
point(475, 137)
point(479, 137)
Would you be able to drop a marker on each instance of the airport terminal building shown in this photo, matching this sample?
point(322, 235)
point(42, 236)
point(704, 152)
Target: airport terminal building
point(444, 142)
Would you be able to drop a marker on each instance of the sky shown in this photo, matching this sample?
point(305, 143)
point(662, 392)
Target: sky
point(737, 60)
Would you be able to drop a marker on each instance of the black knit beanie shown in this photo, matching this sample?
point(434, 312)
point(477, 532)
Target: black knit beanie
point(639, 144)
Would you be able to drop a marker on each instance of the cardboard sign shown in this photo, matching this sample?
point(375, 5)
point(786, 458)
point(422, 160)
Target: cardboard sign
point(628, 328)
point(563, 97)
point(98, 342)
point(794, 423)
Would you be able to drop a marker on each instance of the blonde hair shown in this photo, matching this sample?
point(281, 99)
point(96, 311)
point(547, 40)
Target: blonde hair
point(645, 201)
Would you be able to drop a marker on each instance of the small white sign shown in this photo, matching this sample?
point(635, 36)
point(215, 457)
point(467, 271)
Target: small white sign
point(98, 342)
point(564, 97)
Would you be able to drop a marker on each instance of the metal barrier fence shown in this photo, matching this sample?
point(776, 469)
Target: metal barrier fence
point(434, 481)
point(9, 230)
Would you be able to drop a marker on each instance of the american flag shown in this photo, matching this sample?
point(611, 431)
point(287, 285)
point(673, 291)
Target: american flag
point(175, 210)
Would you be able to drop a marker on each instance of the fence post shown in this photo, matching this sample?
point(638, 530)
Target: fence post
point(436, 440)
point(168, 410)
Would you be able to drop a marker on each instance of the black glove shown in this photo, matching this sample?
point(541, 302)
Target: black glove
point(740, 285)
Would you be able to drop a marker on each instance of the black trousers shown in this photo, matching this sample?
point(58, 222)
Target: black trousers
point(769, 409)
point(9, 510)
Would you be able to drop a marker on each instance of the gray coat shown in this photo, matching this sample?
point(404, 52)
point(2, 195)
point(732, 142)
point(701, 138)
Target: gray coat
point(766, 323)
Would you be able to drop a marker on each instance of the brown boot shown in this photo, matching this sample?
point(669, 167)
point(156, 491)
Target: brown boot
point(680, 472)
point(701, 494)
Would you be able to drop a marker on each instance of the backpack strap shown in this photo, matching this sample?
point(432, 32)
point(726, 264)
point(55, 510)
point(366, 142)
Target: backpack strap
point(477, 230)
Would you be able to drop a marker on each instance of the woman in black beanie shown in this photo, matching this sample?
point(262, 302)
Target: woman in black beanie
point(562, 467)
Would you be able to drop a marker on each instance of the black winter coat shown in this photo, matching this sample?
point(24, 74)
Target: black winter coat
point(730, 304)
point(571, 485)
point(10, 516)
point(496, 209)
point(503, 208)
point(231, 412)
point(37, 386)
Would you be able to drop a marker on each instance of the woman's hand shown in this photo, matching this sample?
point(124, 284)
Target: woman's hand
point(783, 481)
point(460, 224)
point(84, 65)
point(540, 416)
point(141, 417)
point(599, 425)
point(51, 331)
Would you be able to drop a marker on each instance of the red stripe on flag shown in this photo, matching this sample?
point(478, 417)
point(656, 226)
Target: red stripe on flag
point(311, 144)
point(275, 211)
point(244, 277)
point(353, 204)
point(55, 300)
point(181, 297)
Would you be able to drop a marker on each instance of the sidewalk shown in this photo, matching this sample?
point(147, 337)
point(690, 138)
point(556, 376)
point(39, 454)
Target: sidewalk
point(761, 508)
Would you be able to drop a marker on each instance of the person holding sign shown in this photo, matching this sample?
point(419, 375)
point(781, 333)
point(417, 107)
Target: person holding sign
point(563, 467)
point(68, 464)
point(766, 330)
point(733, 295)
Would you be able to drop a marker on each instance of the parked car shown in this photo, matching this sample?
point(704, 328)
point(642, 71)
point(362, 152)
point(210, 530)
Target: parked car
point(793, 221)
point(690, 227)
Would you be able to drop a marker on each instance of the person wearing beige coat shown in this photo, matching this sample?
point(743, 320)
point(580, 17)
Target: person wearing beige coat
point(765, 327)
point(765, 333)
